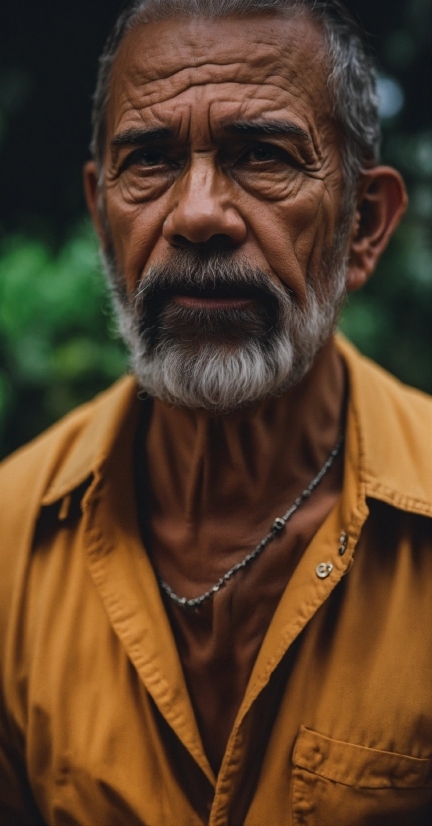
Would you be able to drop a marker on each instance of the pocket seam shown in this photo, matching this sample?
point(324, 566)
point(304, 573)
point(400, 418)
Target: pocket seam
point(367, 769)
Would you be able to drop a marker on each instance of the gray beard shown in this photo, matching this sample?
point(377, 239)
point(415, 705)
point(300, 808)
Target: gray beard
point(223, 359)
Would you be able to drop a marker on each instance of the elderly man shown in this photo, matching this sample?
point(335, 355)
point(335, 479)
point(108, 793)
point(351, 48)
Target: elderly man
point(215, 588)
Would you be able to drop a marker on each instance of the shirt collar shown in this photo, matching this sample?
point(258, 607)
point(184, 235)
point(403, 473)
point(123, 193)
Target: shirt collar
point(393, 424)
point(93, 429)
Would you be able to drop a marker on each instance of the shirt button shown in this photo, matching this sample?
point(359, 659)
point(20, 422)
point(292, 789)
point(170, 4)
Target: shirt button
point(323, 570)
point(343, 541)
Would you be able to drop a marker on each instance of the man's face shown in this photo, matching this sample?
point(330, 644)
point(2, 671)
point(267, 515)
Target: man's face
point(209, 87)
point(221, 149)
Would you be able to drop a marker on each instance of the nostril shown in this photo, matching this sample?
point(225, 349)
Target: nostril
point(181, 241)
point(219, 243)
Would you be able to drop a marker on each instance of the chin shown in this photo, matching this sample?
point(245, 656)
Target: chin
point(214, 376)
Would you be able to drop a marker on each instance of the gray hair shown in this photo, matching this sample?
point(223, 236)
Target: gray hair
point(352, 77)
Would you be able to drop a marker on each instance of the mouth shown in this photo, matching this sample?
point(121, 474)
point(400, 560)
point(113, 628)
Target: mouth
point(205, 303)
point(222, 309)
point(215, 298)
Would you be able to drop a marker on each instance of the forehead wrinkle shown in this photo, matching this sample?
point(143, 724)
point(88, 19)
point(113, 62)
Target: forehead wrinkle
point(272, 61)
point(141, 75)
point(186, 78)
point(193, 51)
point(144, 98)
point(279, 72)
point(267, 93)
point(147, 94)
point(262, 48)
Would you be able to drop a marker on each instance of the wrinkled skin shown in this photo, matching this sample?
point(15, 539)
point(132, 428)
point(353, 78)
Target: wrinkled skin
point(274, 199)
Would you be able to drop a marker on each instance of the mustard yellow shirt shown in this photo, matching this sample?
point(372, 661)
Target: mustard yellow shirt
point(91, 680)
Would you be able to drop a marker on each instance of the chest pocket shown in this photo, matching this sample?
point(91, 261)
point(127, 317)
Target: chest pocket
point(343, 784)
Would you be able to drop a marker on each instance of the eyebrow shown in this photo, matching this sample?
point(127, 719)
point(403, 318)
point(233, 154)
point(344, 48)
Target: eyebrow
point(254, 129)
point(259, 129)
point(139, 137)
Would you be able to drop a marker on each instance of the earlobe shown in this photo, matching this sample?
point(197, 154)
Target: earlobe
point(91, 191)
point(382, 201)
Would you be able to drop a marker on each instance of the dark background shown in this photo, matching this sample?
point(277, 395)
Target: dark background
point(57, 339)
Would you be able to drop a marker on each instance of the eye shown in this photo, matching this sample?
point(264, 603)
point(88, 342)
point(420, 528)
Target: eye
point(142, 159)
point(148, 157)
point(267, 153)
point(263, 152)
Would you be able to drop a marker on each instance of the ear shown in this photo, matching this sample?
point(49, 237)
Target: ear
point(92, 196)
point(381, 202)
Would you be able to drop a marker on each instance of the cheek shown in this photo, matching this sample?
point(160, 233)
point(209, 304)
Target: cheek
point(293, 233)
point(135, 231)
point(317, 239)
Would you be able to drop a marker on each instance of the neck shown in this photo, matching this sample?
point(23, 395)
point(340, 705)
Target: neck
point(216, 481)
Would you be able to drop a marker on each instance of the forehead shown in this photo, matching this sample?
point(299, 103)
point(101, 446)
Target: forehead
point(221, 68)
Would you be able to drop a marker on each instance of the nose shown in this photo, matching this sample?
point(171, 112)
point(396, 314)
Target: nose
point(202, 211)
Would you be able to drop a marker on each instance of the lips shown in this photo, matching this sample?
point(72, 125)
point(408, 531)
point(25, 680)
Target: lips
point(204, 302)
point(216, 297)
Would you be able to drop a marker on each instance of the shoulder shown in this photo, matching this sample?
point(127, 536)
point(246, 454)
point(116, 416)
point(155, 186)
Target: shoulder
point(394, 425)
point(20, 470)
point(38, 463)
point(48, 468)
point(379, 388)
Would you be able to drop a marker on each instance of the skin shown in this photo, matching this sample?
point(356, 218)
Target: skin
point(206, 181)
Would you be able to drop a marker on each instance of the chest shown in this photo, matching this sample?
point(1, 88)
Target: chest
point(339, 729)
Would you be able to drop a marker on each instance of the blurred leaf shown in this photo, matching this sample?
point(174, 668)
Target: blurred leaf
point(56, 329)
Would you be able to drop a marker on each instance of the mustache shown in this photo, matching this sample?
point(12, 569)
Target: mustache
point(215, 276)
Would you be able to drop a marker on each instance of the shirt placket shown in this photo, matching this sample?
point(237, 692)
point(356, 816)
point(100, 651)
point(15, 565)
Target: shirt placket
point(327, 559)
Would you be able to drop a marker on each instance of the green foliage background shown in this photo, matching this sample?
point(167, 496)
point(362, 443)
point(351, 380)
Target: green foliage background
point(57, 338)
point(58, 344)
